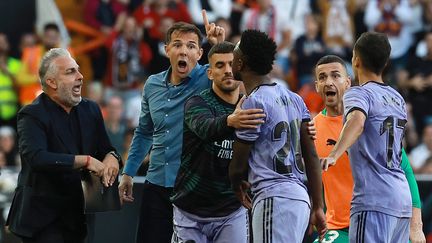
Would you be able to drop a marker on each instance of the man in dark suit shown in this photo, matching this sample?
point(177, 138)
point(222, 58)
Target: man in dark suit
point(61, 136)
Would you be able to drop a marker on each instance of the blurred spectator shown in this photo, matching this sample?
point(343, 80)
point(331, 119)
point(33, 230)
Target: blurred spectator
point(269, 19)
point(421, 47)
point(114, 123)
point(8, 145)
point(47, 12)
point(422, 152)
point(427, 167)
point(226, 25)
point(294, 13)
point(27, 40)
point(102, 14)
point(411, 136)
point(133, 111)
point(160, 61)
point(127, 142)
point(150, 13)
point(312, 99)
point(129, 57)
point(359, 24)
point(133, 5)
point(338, 26)
point(427, 15)
point(238, 8)
point(96, 92)
point(277, 76)
point(215, 9)
point(392, 17)
point(29, 83)
point(416, 81)
point(308, 49)
point(9, 69)
point(2, 165)
point(416, 26)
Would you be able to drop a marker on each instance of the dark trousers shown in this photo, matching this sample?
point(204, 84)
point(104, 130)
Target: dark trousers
point(156, 215)
point(56, 233)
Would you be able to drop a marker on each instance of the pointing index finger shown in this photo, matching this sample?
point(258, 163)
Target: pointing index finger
point(205, 19)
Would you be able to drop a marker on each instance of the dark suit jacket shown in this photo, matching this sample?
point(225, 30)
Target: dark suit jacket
point(49, 188)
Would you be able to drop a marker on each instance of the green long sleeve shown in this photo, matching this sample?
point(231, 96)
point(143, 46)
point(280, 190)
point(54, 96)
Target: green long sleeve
point(409, 174)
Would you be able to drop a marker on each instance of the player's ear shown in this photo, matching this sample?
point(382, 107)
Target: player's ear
point(51, 82)
point(201, 51)
point(356, 62)
point(348, 82)
point(210, 73)
point(166, 49)
point(240, 64)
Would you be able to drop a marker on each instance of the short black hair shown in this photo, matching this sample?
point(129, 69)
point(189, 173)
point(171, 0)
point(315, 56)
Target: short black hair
point(222, 47)
point(374, 49)
point(183, 27)
point(331, 59)
point(51, 26)
point(259, 51)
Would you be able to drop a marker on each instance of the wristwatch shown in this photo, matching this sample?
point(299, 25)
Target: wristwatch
point(117, 156)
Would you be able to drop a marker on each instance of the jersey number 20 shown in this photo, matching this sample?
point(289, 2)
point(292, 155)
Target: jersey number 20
point(292, 137)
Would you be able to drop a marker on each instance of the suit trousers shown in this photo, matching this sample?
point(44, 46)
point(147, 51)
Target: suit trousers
point(55, 232)
point(156, 215)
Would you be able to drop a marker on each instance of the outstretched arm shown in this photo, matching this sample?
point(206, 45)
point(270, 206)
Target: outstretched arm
point(203, 122)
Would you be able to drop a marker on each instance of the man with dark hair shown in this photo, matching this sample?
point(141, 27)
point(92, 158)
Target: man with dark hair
point(273, 152)
point(205, 207)
point(51, 36)
point(375, 117)
point(159, 128)
point(331, 83)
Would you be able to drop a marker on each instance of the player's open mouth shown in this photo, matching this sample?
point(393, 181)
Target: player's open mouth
point(182, 64)
point(77, 89)
point(330, 93)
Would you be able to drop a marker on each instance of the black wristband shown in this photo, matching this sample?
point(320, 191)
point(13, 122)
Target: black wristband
point(117, 156)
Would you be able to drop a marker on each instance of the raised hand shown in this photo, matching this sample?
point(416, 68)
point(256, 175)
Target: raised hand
point(215, 34)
